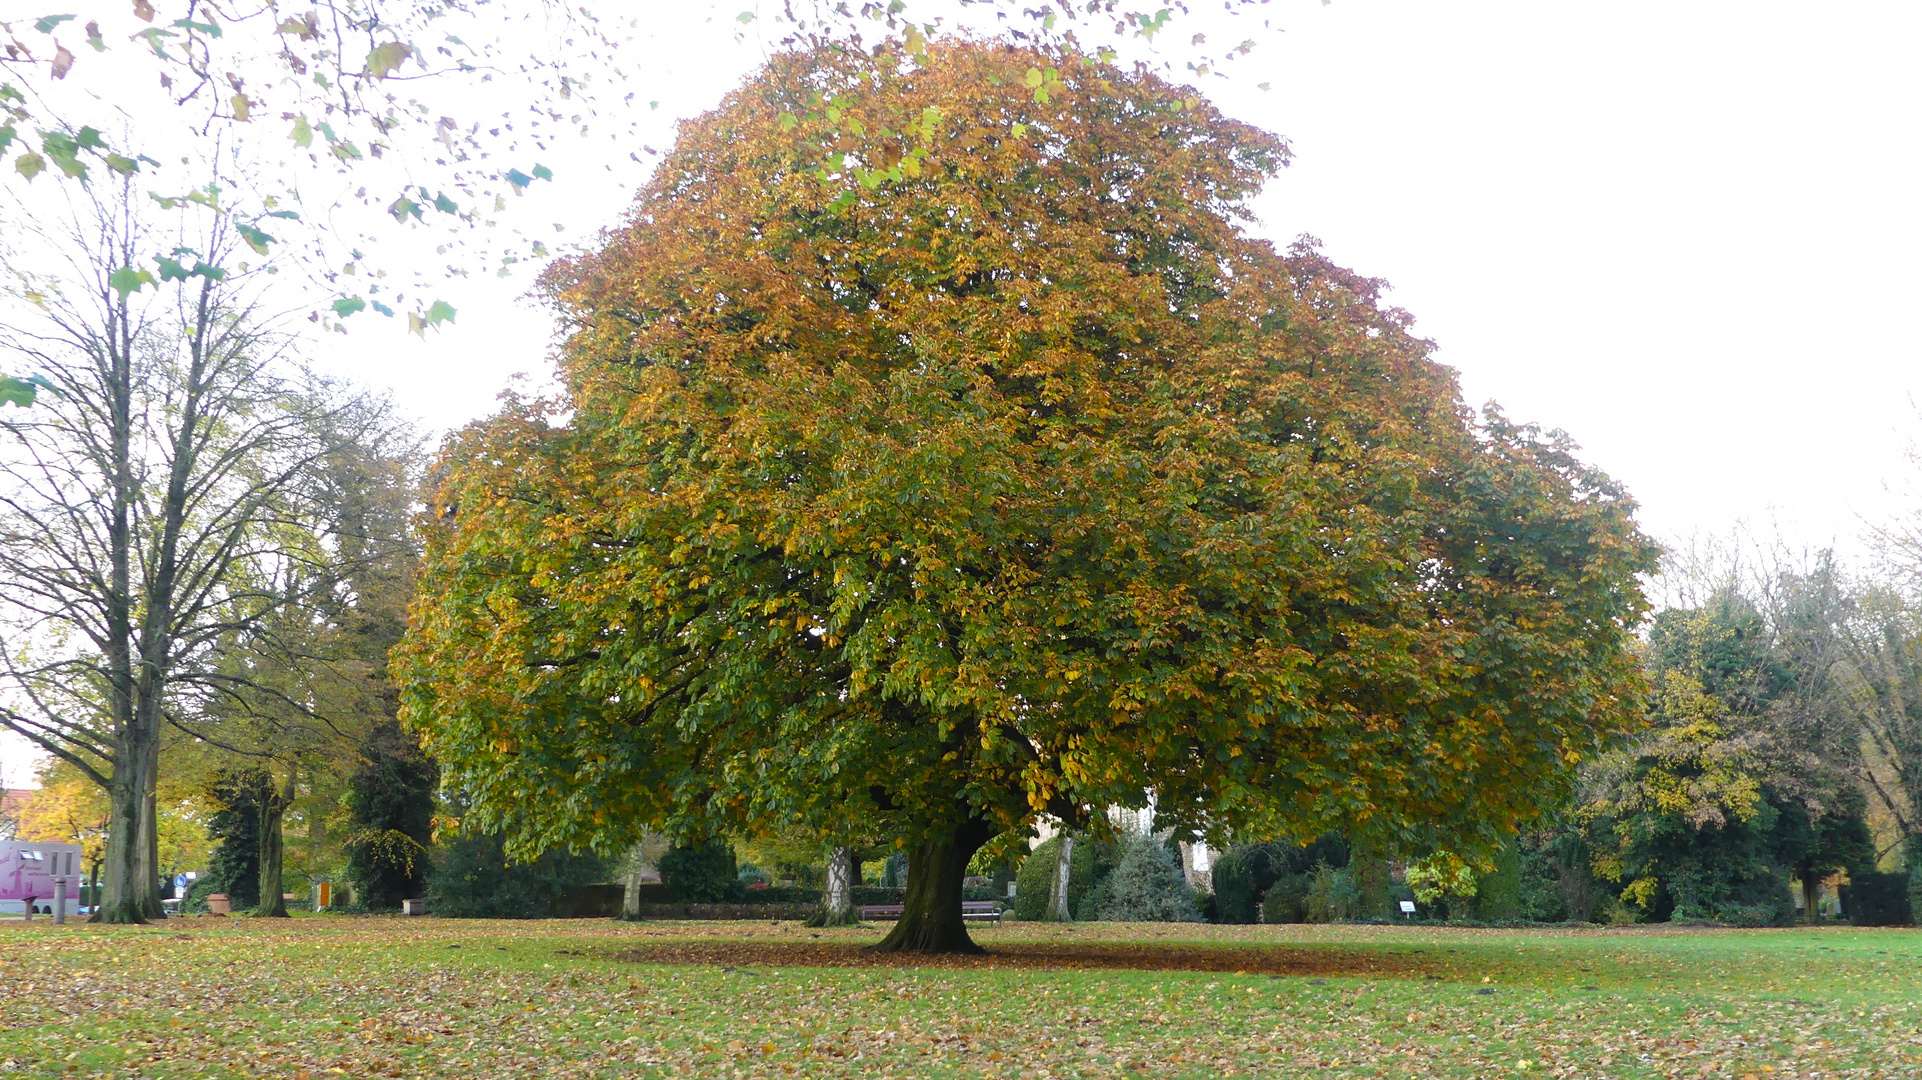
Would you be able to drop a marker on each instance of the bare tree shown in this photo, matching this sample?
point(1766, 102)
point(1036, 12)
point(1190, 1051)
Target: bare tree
point(147, 499)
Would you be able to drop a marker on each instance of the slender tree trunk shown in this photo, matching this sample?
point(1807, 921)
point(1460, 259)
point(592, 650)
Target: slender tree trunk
point(931, 917)
point(273, 808)
point(837, 898)
point(1058, 910)
point(631, 894)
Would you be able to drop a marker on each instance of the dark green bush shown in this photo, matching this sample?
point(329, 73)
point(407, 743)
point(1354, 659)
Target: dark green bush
point(878, 894)
point(1147, 885)
point(702, 874)
point(473, 880)
point(391, 800)
point(1237, 893)
point(1035, 881)
point(1877, 899)
point(1287, 899)
point(1498, 893)
point(1333, 895)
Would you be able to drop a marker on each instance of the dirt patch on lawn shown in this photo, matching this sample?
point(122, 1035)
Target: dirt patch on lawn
point(1036, 956)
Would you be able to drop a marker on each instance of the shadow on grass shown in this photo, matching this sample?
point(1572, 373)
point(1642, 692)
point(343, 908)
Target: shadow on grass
point(1244, 960)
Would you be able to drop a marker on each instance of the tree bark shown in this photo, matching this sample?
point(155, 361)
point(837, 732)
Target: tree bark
point(931, 916)
point(1058, 910)
point(273, 808)
point(1811, 894)
point(120, 902)
point(631, 893)
point(837, 898)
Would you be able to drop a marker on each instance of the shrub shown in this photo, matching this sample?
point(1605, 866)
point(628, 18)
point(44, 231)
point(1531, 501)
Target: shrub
point(1237, 892)
point(702, 874)
point(1287, 899)
point(473, 880)
point(1147, 885)
point(1879, 899)
point(1498, 892)
point(1332, 896)
point(1035, 880)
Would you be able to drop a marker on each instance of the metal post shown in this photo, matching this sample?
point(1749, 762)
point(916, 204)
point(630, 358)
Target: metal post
point(59, 901)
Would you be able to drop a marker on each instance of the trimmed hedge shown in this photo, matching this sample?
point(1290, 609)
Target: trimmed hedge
point(1880, 900)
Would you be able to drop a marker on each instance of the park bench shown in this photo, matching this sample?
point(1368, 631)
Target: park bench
point(970, 909)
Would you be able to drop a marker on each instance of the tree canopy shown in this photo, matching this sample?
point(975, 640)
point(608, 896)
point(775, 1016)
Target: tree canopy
point(938, 450)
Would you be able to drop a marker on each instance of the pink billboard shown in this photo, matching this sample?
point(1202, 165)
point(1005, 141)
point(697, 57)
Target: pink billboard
point(28, 867)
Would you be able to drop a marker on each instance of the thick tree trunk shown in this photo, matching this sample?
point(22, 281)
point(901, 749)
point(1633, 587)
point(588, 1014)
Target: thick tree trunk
point(931, 917)
point(837, 898)
point(148, 885)
point(273, 808)
point(1063, 872)
point(1811, 894)
point(120, 901)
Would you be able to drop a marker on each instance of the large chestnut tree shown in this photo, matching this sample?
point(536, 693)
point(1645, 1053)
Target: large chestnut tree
point(938, 452)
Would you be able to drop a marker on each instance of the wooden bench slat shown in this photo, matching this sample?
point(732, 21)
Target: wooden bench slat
point(970, 909)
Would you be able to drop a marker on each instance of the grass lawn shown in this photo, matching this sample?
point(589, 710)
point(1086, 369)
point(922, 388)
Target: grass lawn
point(330, 996)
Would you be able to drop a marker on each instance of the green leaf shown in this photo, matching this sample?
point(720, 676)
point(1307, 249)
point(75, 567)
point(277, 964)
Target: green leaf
point(208, 271)
point(348, 305)
point(208, 29)
point(16, 392)
point(255, 238)
point(128, 280)
point(403, 208)
point(441, 311)
point(305, 27)
point(7, 134)
point(445, 205)
point(387, 58)
point(287, 215)
point(29, 165)
point(542, 172)
point(89, 139)
point(47, 24)
point(22, 392)
point(519, 179)
point(125, 166)
point(383, 309)
point(64, 150)
point(743, 18)
point(153, 36)
point(171, 270)
point(303, 133)
point(789, 121)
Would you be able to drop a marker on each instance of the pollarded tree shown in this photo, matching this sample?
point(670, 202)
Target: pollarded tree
point(943, 489)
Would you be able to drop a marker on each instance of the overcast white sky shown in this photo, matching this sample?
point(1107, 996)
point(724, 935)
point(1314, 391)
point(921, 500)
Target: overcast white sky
point(1687, 233)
